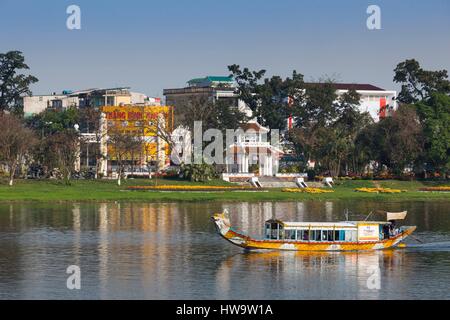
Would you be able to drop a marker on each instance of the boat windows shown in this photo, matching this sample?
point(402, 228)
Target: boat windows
point(301, 234)
point(350, 235)
point(290, 234)
point(305, 235)
point(274, 231)
point(316, 235)
point(330, 235)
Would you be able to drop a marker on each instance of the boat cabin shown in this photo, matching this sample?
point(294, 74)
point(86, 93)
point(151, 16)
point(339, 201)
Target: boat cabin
point(349, 231)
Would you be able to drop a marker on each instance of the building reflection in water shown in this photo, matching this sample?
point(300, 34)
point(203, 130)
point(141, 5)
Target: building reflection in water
point(171, 251)
point(296, 275)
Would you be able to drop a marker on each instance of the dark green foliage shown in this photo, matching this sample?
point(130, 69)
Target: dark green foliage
point(418, 84)
point(198, 172)
point(435, 118)
point(13, 85)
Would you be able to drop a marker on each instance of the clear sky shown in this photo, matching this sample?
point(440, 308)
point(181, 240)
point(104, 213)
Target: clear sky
point(155, 44)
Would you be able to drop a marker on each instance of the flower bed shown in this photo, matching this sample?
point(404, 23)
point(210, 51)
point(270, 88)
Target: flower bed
point(188, 188)
point(379, 190)
point(442, 189)
point(307, 190)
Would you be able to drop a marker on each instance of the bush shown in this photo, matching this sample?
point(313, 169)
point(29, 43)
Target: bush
point(198, 172)
point(311, 174)
point(291, 169)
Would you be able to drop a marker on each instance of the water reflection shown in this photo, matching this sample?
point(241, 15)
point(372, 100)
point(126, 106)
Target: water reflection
point(300, 275)
point(171, 251)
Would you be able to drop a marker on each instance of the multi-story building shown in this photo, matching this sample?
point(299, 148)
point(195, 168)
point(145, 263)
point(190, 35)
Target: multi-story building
point(148, 123)
point(211, 88)
point(378, 102)
point(132, 109)
point(86, 98)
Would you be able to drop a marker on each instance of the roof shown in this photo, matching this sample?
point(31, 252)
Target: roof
point(314, 224)
point(212, 79)
point(253, 126)
point(345, 224)
point(350, 86)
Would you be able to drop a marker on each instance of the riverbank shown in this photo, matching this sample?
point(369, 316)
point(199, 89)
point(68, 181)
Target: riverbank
point(108, 190)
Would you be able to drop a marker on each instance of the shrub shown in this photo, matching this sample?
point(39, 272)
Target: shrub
point(198, 172)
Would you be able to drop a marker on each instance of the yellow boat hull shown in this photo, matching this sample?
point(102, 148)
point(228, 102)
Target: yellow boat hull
point(246, 242)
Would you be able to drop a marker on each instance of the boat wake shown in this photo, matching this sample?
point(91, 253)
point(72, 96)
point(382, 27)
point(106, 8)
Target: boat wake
point(432, 246)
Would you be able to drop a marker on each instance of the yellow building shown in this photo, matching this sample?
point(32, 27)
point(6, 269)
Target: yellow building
point(141, 121)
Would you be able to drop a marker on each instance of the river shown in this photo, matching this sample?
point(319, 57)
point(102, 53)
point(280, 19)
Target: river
point(172, 251)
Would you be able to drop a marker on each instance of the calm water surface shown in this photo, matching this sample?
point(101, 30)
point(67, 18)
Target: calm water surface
point(171, 251)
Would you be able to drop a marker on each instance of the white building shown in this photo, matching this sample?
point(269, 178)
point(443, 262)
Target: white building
point(251, 148)
point(374, 100)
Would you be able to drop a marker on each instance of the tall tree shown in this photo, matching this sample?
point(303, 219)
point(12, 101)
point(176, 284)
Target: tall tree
point(65, 146)
point(124, 146)
point(270, 99)
point(89, 119)
point(15, 142)
point(435, 118)
point(13, 84)
point(418, 84)
point(58, 140)
point(395, 141)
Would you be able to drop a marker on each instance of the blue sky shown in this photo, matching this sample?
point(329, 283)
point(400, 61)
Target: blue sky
point(151, 45)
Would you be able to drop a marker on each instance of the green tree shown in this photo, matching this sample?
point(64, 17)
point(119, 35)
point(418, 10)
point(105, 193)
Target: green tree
point(15, 142)
point(435, 118)
point(59, 141)
point(13, 84)
point(395, 141)
point(52, 121)
point(418, 84)
point(270, 99)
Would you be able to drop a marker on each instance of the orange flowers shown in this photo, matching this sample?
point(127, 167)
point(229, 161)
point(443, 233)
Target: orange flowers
point(307, 190)
point(379, 190)
point(442, 189)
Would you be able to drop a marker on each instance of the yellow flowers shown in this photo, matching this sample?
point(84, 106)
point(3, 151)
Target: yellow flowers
point(189, 188)
point(379, 190)
point(308, 190)
point(443, 188)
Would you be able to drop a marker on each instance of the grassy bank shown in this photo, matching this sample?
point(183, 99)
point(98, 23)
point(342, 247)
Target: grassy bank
point(105, 190)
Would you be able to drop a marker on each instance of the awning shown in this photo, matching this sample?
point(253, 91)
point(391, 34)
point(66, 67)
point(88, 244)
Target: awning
point(396, 215)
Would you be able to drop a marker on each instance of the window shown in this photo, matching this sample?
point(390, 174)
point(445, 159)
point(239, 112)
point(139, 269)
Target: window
point(350, 235)
point(57, 104)
point(267, 230)
point(306, 235)
point(339, 235)
point(336, 235)
point(290, 234)
point(274, 231)
point(330, 235)
point(316, 235)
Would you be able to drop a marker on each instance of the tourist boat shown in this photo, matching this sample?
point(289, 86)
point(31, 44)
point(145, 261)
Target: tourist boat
point(320, 236)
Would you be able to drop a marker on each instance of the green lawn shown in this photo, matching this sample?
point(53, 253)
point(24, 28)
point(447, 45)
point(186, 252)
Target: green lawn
point(107, 190)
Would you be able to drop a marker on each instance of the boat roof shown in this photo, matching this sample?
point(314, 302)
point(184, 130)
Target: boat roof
point(291, 224)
